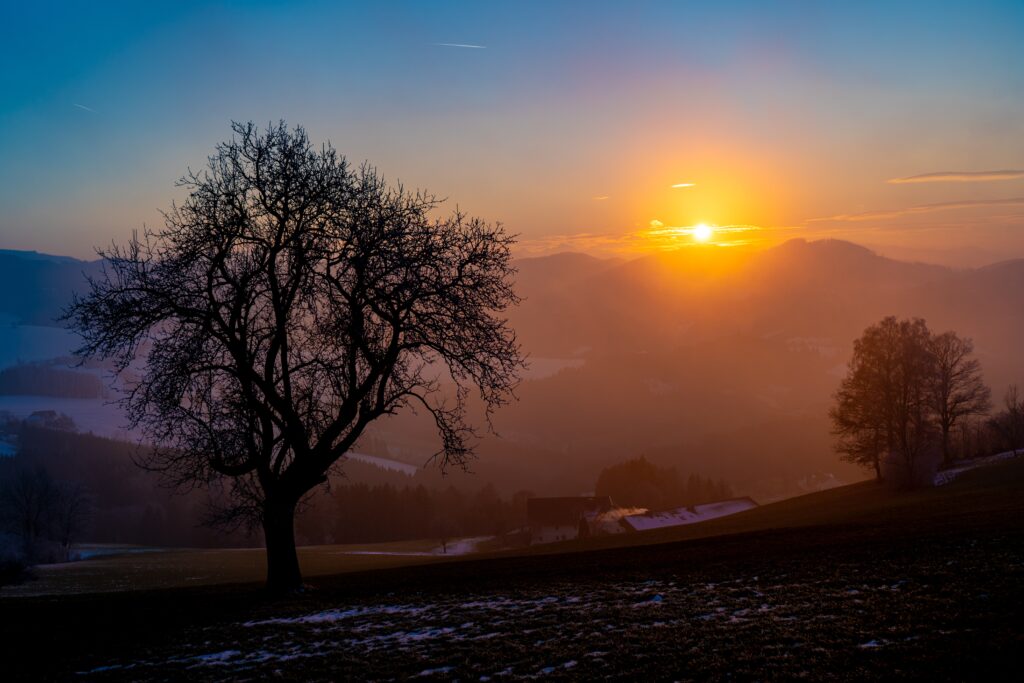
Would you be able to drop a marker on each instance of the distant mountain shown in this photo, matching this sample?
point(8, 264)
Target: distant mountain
point(658, 301)
point(35, 287)
point(721, 361)
point(686, 351)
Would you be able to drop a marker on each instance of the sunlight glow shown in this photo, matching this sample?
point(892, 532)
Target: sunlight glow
point(660, 237)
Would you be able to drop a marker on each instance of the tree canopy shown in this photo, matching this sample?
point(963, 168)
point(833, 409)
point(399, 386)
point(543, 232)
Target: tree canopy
point(641, 483)
point(288, 301)
point(903, 393)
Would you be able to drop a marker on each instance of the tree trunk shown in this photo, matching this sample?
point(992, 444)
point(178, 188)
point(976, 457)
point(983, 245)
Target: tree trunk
point(945, 447)
point(283, 575)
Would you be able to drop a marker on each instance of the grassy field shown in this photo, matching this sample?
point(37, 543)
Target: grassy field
point(861, 503)
point(155, 568)
point(852, 583)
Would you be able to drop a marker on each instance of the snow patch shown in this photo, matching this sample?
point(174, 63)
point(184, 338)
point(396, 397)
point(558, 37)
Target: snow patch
point(462, 546)
point(946, 476)
point(383, 463)
point(688, 515)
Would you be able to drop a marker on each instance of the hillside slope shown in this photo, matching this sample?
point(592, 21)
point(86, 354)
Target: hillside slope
point(858, 580)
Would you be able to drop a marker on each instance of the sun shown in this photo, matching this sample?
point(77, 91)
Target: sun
point(702, 232)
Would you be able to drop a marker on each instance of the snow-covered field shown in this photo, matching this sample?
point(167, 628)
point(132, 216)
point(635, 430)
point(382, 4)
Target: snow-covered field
point(946, 476)
point(689, 515)
point(541, 368)
point(383, 463)
point(30, 343)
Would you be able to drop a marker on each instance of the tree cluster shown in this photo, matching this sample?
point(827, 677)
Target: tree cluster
point(641, 483)
point(905, 393)
point(1007, 425)
point(361, 513)
point(42, 516)
point(128, 505)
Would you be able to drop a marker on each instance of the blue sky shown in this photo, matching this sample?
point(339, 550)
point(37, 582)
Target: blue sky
point(783, 114)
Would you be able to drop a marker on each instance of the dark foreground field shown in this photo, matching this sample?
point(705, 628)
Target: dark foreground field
point(927, 586)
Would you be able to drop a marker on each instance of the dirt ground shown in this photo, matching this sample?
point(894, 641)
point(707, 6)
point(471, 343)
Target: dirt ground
point(935, 592)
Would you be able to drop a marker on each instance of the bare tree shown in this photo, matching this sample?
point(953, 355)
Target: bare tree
point(288, 302)
point(26, 507)
point(70, 514)
point(882, 407)
point(958, 387)
point(1008, 424)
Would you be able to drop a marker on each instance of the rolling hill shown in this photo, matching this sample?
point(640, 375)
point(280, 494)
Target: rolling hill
point(719, 361)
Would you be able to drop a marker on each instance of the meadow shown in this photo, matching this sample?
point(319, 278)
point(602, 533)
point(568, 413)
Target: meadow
point(860, 580)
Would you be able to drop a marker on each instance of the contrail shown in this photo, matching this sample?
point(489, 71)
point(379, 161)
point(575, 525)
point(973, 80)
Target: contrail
point(82, 106)
point(475, 47)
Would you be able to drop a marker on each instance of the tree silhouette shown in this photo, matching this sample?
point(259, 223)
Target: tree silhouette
point(884, 404)
point(288, 302)
point(958, 388)
point(1008, 424)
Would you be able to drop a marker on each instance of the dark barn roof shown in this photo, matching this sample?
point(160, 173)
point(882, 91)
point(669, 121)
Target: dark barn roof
point(564, 511)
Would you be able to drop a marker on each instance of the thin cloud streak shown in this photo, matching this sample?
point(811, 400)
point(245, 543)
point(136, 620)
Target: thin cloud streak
point(958, 177)
point(680, 185)
point(923, 208)
point(465, 45)
point(83, 107)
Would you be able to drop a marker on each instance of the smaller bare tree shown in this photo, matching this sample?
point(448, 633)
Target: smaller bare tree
point(26, 506)
point(958, 387)
point(43, 513)
point(71, 511)
point(1008, 424)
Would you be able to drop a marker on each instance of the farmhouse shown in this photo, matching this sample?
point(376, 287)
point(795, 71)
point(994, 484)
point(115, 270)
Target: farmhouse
point(687, 515)
point(565, 518)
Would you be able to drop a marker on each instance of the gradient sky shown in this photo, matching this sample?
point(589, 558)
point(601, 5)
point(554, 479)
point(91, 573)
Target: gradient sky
point(570, 124)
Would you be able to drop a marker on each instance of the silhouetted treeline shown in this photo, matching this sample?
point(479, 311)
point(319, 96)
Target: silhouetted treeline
point(40, 517)
point(128, 505)
point(360, 513)
point(1003, 431)
point(640, 483)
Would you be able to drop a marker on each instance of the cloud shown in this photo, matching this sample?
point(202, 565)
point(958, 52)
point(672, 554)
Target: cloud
point(680, 185)
point(466, 45)
point(83, 107)
point(922, 208)
point(958, 177)
point(601, 197)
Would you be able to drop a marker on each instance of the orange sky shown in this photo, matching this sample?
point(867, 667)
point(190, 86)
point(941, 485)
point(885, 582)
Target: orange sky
point(568, 124)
